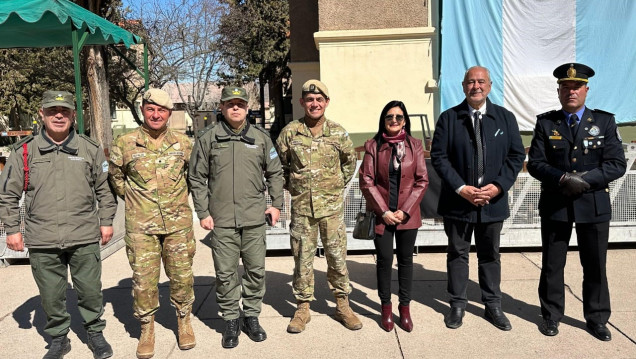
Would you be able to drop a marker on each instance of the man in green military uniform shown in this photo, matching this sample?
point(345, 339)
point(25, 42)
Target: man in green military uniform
point(148, 169)
point(65, 173)
point(318, 161)
point(228, 164)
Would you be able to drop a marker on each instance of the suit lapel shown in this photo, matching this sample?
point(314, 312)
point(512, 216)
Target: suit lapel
point(587, 122)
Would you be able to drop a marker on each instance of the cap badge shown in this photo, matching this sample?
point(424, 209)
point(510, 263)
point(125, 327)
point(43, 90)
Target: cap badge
point(236, 91)
point(59, 97)
point(312, 88)
point(571, 72)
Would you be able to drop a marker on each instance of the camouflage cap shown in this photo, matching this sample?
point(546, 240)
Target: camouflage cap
point(230, 93)
point(315, 86)
point(158, 97)
point(54, 98)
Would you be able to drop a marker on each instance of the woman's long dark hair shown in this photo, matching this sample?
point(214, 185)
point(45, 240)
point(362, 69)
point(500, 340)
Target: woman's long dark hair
point(385, 110)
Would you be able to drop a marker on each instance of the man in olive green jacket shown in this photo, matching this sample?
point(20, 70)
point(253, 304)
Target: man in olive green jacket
point(63, 224)
point(226, 176)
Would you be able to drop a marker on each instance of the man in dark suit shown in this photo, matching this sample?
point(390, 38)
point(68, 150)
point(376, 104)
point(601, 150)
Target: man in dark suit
point(477, 152)
point(575, 153)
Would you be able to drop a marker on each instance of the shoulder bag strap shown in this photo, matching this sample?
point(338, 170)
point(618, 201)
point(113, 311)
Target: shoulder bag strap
point(25, 154)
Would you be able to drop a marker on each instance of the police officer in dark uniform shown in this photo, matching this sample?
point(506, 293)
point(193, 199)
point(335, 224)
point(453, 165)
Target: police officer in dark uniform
point(575, 153)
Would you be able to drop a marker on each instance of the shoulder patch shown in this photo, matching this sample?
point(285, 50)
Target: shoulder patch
point(603, 112)
point(90, 140)
point(545, 114)
point(19, 144)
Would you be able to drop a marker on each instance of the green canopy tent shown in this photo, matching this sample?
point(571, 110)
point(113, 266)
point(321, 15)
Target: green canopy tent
point(53, 23)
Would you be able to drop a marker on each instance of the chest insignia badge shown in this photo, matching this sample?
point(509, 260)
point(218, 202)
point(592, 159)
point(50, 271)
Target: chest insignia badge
point(594, 131)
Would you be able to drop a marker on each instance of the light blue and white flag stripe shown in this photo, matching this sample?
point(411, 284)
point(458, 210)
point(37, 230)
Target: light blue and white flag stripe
point(521, 42)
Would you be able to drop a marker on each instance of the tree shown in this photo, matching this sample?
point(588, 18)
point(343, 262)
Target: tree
point(125, 84)
point(94, 59)
point(24, 75)
point(254, 40)
point(182, 41)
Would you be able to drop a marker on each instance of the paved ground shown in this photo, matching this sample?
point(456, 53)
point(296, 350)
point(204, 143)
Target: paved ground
point(22, 319)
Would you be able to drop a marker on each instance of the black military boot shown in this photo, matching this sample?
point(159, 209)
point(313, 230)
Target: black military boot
point(99, 346)
point(253, 329)
point(231, 333)
point(60, 346)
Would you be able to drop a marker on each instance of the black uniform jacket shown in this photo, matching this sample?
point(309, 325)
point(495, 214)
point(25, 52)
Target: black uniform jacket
point(595, 150)
point(453, 157)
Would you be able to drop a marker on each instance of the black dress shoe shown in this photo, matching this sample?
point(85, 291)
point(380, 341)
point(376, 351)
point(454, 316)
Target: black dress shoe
point(497, 317)
point(253, 329)
point(231, 334)
point(454, 318)
point(549, 327)
point(600, 331)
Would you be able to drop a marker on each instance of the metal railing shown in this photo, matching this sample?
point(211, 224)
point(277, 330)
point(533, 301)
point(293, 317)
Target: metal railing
point(521, 229)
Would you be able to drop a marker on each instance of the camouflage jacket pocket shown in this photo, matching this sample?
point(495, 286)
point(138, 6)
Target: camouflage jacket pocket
point(143, 170)
point(175, 165)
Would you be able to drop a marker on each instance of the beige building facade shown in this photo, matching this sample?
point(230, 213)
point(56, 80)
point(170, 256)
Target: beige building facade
point(367, 55)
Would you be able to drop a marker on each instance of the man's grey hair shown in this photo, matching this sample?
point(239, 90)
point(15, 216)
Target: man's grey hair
point(477, 67)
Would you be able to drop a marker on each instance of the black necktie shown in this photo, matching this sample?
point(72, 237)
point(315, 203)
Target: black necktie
point(480, 148)
point(574, 124)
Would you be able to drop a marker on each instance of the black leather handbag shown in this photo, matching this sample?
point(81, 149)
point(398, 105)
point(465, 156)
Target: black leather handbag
point(365, 220)
point(365, 225)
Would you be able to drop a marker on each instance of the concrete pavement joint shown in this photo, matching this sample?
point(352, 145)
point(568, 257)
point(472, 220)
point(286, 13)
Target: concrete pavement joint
point(6, 315)
point(397, 337)
point(569, 289)
point(623, 333)
point(523, 254)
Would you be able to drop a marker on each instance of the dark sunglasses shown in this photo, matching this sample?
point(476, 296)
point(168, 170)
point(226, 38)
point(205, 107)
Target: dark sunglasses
point(398, 118)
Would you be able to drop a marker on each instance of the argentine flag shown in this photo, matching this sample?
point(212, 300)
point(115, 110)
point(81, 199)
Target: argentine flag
point(522, 41)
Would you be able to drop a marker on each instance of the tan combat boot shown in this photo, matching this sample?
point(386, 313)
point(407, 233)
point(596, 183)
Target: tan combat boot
point(186, 334)
point(345, 315)
point(146, 346)
point(300, 319)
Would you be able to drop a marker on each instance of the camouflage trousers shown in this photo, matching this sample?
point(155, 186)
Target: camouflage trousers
point(145, 253)
point(304, 240)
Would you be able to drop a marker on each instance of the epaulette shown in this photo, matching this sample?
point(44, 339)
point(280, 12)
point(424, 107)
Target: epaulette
point(603, 112)
point(545, 114)
point(206, 129)
point(19, 144)
point(90, 140)
point(260, 128)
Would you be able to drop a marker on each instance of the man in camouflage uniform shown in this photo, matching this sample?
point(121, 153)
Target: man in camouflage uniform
point(318, 161)
point(229, 162)
point(65, 173)
point(148, 169)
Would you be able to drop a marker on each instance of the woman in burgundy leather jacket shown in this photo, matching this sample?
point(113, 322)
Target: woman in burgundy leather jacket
point(393, 180)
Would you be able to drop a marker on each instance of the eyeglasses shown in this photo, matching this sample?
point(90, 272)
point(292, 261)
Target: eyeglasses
point(398, 118)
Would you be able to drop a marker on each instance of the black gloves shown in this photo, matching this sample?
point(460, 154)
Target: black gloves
point(572, 184)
